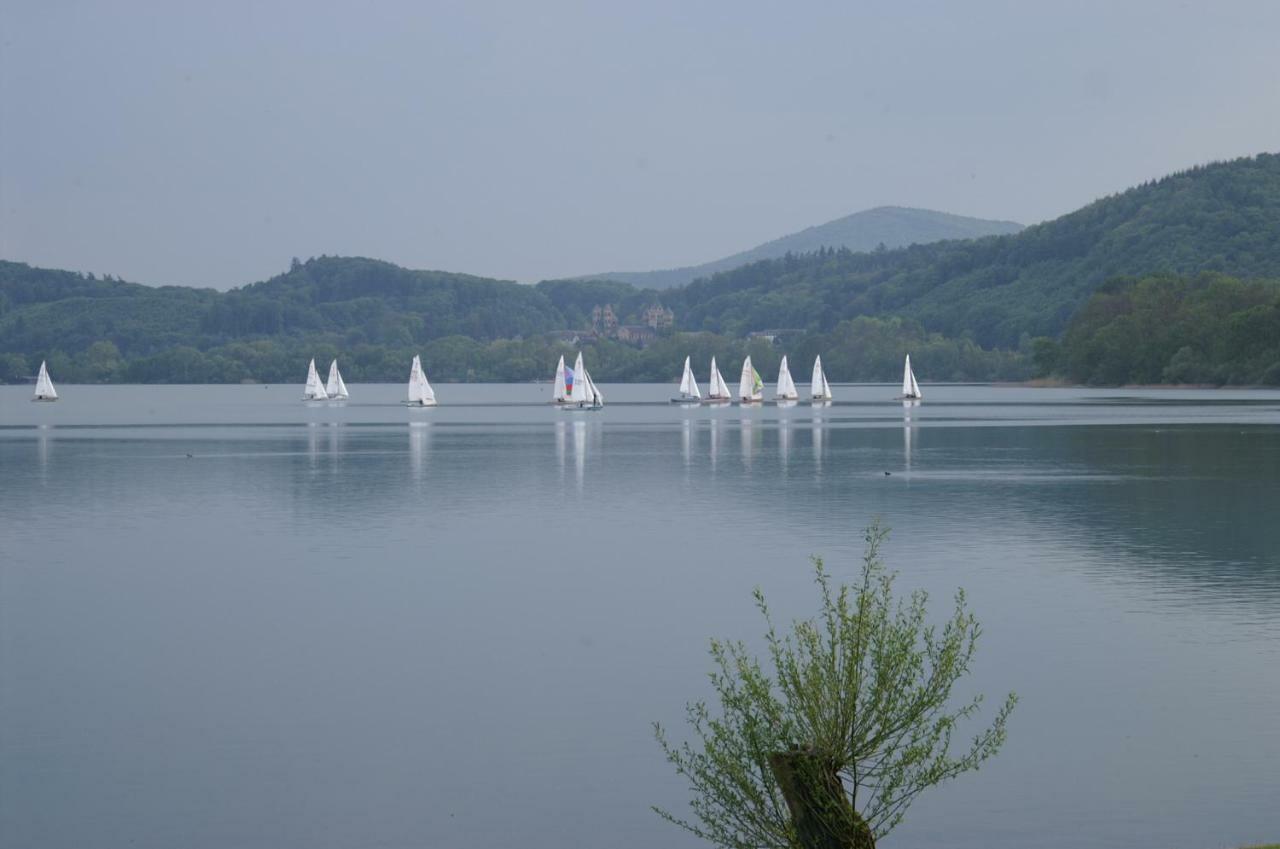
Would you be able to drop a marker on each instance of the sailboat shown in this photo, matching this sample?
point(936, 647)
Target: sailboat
point(314, 390)
point(595, 398)
point(689, 393)
point(336, 388)
point(910, 389)
point(818, 387)
point(420, 392)
point(564, 380)
point(786, 386)
point(750, 385)
point(583, 394)
point(717, 391)
point(44, 386)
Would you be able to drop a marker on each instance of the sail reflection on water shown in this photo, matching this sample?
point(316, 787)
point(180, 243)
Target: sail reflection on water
point(561, 432)
point(716, 427)
point(336, 436)
point(43, 442)
point(579, 451)
point(906, 442)
point(313, 443)
point(419, 447)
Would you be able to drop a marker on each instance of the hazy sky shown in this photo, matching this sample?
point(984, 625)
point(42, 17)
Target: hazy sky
point(207, 143)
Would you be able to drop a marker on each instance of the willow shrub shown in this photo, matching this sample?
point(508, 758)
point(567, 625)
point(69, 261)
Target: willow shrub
point(853, 719)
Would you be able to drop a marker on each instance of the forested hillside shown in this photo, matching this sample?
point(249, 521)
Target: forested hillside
point(1223, 217)
point(890, 226)
point(1204, 330)
point(376, 316)
point(966, 310)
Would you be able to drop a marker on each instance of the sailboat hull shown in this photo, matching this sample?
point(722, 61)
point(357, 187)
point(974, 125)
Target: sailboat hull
point(50, 400)
point(420, 403)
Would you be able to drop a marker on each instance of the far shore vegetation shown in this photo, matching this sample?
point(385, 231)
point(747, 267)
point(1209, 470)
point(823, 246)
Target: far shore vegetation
point(1171, 282)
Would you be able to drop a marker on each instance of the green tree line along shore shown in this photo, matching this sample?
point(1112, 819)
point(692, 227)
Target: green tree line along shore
point(1173, 281)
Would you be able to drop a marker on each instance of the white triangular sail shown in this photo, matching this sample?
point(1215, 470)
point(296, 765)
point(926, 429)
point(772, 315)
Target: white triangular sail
point(44, 386)
point(689, 384)
point(722, 387)
point(314, 390)
point(750, 386)
point(420, 392)
point(595, 398)
point(818, 386)
point(719, 390)
point(336, 388)
point(910, 389)
point(786, 386)
point(578, 392)
point(560, 394)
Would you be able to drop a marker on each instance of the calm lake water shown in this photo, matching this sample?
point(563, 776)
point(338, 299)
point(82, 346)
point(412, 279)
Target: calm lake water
point(229, 619)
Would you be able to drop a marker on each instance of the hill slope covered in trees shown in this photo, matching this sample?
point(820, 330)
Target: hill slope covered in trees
point(965, 309)
point(1208, 329)
point(1222, 218)
point(375, 316)
point(890, 226)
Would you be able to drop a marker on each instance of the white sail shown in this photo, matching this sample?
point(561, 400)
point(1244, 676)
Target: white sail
point(336, 388)
point(314, 390)
point(718, 390)
point(818, 386)
point(750, 386)
point(44, 386)
point(723, 387)
point(578, 392)
point(595, 398)
point(786, 386)
point(910, 389)
point(420, 392)
point(560, 394)
point(688, 383)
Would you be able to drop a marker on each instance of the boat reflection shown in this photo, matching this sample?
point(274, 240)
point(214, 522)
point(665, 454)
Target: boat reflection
point(562, 428)
point(419, 446)
point(906, 444)
point(819, 431)
point(716, 427)
point(579, 451)
point(43, 441)
point(748, 435)
point(313, 443)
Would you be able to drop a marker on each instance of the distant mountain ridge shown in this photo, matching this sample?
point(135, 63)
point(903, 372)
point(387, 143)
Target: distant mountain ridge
point(1222, 217)
point(891, 226)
